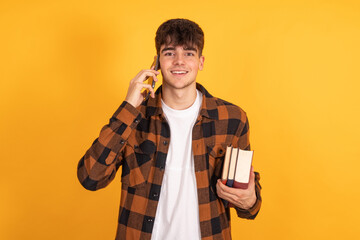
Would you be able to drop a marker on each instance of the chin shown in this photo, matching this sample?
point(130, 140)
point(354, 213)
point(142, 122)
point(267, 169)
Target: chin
point(178, 85)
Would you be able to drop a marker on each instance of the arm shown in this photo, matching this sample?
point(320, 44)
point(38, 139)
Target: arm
point(97, 168)
point(247, 202)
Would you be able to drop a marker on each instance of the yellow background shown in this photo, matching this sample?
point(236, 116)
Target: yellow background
point(293, 66)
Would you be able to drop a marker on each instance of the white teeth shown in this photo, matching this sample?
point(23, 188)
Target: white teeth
point(178, 72)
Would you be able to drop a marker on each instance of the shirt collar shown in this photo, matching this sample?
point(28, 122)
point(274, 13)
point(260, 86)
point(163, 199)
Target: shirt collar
point(152, 106)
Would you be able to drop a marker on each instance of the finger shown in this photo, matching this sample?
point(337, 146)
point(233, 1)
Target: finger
point(152, 70)
point(148, 74)
point(153, 94)
point(219, 190)
point(144, 74)
point(139, 86)
point(147, 77)
point(225, 188)
point(145, 85)
point(155, 71)
point(223, 193)
point(252, 178)
point(235, 192)
point(148, 93)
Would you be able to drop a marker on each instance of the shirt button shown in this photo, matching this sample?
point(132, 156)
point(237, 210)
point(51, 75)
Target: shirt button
point(221, 151)
point(165, 142)
point(122, 141)
point(136, 120)
point(150, 219)
point(155, 194)
point(161, 168)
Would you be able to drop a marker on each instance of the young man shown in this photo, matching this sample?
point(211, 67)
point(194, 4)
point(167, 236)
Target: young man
point(171, 148)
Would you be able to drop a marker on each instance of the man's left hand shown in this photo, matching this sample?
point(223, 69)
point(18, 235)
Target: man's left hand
point(242, 198)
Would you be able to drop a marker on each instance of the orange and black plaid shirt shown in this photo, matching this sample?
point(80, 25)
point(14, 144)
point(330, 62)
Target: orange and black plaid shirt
point(138, 139)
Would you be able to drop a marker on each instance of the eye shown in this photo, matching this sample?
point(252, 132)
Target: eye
point(168, 54)
point(190, 54)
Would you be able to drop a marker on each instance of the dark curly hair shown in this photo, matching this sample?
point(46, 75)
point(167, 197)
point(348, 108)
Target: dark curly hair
point(181, 32)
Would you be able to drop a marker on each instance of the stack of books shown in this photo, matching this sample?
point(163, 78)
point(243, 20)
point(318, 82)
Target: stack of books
point(236, 168)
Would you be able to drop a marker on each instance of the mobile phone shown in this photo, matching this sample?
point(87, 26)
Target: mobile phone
point(150, 80)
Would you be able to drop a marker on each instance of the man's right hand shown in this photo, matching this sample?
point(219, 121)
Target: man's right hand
point(134, 95)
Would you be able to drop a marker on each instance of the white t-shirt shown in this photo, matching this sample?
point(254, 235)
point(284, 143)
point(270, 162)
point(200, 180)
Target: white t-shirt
point(177, 214)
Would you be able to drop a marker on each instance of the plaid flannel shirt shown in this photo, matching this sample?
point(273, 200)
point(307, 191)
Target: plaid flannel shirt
point(138, 139)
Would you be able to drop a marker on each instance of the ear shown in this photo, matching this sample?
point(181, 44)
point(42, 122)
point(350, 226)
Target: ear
point(201, 62)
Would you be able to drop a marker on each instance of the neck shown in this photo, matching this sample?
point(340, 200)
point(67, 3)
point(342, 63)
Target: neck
point(179, 99)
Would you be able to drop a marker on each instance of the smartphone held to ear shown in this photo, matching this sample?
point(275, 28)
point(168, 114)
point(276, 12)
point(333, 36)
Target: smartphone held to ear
point(150, 80)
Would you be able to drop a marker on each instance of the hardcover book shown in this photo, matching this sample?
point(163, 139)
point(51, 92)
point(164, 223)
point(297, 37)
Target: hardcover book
point(236, 168)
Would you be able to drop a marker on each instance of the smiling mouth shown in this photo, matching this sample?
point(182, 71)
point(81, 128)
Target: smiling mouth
point(179, 72)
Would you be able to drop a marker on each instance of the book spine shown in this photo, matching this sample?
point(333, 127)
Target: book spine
point(230, 182)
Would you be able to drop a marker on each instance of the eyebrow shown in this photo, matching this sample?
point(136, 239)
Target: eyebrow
point(167, 49)
point(173, 48)
point(190, 49)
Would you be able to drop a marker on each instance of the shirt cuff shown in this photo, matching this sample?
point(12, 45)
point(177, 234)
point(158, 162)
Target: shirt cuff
point(127, 114)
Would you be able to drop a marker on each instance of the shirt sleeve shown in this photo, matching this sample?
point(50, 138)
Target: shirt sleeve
point(244, 143)
point(97, 168)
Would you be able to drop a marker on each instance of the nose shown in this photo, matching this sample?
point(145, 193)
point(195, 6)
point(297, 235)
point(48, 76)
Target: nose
point(179, 59)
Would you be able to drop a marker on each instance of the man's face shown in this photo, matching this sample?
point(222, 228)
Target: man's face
point(179, 65)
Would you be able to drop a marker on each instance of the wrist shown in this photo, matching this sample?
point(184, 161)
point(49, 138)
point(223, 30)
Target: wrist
point(251, 202)
point(132, 102)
